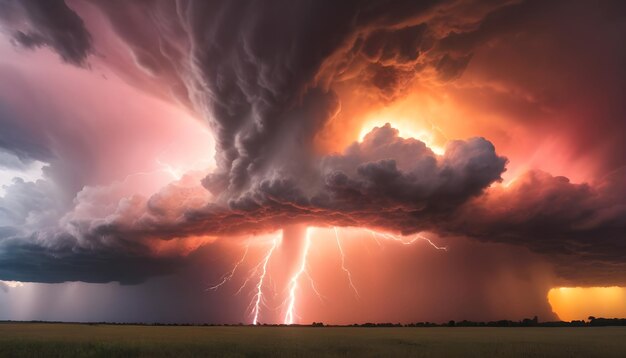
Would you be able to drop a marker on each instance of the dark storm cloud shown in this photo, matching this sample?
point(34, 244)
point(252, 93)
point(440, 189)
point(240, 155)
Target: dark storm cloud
point(262, 75)
point(29, 262)
point(362, 187)
point(52, 23)
point(581, 226)
point(251, 67)
point(386, 182)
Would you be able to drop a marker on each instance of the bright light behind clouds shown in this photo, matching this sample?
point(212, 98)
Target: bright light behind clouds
point(12, 284)
point(30, 172)
point(406, 129)
point(578, 303)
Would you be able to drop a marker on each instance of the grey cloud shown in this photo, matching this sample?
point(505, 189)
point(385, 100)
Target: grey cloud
point(29, 205)
point(388, 182)
point(219, 56)
point(51, 23)
point(7, 231)
point(582, 227)
point(12, 161)
point(21, 260)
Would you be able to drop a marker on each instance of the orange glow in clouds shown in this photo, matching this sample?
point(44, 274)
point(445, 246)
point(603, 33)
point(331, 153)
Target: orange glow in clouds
point(576, 303)
point(438, 112)
point(568, 303)
point(406, 129)
point(417, 116)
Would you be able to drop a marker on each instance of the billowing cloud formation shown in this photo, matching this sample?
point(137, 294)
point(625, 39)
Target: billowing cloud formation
point(264, 75)
point(386, 181)
point(260, 72)
point(581, 226)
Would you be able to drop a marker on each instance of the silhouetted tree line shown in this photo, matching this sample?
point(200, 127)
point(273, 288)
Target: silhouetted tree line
point(526, 322)
point(603, 322)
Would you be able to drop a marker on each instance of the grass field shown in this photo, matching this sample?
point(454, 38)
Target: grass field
point(74, 340)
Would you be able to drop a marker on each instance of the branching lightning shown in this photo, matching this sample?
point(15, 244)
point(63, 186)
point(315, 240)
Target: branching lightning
point(412, 240)
point(258, 297)
point(228, 276)
point(293, 283)
point(343, 263)
point(251, 275)
point(313, 287)
point(260, 273)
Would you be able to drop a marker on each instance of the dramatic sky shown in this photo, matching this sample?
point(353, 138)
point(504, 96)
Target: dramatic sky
point(310, 160)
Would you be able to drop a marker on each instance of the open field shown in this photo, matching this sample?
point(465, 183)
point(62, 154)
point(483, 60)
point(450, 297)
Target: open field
point(75, 340)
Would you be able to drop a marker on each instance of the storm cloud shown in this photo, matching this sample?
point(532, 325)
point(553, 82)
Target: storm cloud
point(383, 182)
point(580, 226)
point(264, 76)
point(35, 23)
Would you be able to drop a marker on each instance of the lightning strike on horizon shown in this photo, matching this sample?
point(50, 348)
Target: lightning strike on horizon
point(260, 271)
point(258, 297)
point(293, 283)
point(343, 264)
point(228, 276)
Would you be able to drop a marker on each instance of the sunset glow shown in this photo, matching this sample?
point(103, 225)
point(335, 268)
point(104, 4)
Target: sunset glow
point(579, 303)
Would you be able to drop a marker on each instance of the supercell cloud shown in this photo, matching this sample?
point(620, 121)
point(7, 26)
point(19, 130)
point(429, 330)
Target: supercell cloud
point(270, 80)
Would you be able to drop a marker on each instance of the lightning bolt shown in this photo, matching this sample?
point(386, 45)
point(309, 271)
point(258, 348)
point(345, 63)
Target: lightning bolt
point(313, 287)
point(252, 273)
point(258, 296)
point(375, 238)
point(293, 283)
point(260, 273)
point(411, 241)
point(228, 276)
point(343, 264)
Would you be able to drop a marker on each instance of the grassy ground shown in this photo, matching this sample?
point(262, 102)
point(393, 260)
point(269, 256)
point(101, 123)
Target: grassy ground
point(71, 340)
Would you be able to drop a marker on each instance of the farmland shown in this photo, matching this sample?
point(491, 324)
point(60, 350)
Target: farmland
point(78, 340)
